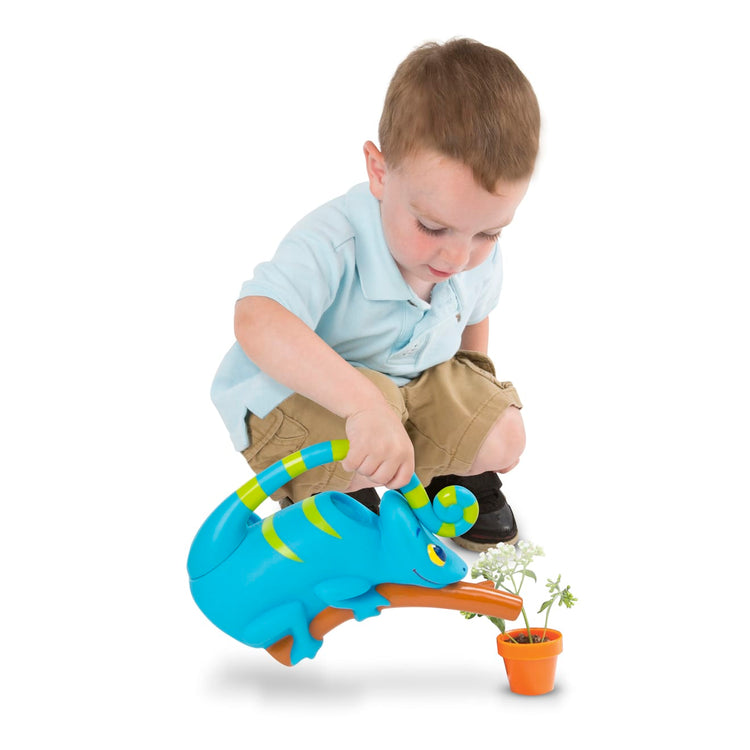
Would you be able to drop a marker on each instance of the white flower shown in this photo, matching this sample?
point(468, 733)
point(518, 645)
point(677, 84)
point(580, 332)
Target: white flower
point(503, 560)
point(527, 552)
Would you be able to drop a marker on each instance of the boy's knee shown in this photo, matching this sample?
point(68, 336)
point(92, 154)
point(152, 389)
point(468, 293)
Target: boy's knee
point(504, 444)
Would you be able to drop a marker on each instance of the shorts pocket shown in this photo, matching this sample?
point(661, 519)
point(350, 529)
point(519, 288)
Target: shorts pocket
point(272, 438)
point(477, 361)
point(483, 365)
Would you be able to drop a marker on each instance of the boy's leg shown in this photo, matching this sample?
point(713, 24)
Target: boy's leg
point(466, 427)
point(299, 422)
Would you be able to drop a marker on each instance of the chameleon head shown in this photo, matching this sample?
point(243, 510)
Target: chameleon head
point(413, 554)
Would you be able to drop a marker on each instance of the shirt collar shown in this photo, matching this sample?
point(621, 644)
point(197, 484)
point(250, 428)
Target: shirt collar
point(378, 273)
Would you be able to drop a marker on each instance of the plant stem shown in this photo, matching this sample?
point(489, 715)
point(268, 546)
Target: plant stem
point(546, 617)
point(526, 620)
point(523, 609)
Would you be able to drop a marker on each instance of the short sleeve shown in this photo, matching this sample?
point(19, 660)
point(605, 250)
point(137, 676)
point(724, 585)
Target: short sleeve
point(303, 276)
point(489, 278)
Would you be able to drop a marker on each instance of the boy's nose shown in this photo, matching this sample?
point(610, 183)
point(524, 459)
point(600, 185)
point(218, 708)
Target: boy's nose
point(456, 255)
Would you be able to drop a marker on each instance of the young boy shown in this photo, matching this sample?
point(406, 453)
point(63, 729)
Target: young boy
point(371, 321)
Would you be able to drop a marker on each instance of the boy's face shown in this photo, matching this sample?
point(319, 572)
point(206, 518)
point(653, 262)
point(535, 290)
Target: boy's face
point(437, 220)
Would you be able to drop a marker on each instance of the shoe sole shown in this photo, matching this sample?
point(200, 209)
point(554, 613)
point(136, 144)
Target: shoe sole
point(482, 546)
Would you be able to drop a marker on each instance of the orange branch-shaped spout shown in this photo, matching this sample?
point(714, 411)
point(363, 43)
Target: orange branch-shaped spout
point(481, 598)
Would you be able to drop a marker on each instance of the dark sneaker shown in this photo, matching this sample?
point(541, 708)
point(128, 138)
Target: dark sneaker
point(496, 522)
point(367, 497)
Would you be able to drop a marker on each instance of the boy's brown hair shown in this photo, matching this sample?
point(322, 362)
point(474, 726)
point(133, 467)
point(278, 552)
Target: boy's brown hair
point(466, 101)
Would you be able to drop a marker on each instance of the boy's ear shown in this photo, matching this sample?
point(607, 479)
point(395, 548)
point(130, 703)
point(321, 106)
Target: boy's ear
point(375, 169)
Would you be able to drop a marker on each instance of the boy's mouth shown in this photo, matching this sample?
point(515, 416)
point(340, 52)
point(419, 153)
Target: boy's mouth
point(440, 274)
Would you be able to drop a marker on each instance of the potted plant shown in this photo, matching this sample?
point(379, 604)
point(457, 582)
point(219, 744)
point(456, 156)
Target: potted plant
point(530, 653)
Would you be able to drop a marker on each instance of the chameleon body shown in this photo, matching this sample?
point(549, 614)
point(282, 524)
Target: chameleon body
point(327, 551)
point(260, 580)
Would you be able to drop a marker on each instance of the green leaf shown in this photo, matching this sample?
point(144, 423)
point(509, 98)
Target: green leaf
point(499, 623)
point(529, 574)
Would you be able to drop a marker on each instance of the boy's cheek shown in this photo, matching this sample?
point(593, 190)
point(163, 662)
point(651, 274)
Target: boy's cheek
point(475, 260)
point(409, 246)
point(422, 246)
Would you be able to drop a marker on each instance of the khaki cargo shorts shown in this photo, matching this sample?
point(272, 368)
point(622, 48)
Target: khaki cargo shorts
point(447, 412)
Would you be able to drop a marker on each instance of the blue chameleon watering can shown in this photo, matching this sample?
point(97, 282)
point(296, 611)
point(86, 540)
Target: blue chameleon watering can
point(282, 581)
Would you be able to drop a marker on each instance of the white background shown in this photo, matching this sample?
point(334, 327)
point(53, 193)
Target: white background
point(153, 152)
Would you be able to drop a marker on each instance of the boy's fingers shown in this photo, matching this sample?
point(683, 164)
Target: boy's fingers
point(401, 478)
point(367, 466)
point(352, 462)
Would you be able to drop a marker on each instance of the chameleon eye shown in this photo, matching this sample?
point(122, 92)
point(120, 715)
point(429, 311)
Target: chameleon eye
point(436, 554)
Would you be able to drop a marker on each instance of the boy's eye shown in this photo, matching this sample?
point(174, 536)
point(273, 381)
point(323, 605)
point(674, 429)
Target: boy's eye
point(490, 237)
point(438, 232)
point(427, 230)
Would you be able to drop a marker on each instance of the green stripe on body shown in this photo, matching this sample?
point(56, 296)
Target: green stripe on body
point(270, 535)
point(315, 517)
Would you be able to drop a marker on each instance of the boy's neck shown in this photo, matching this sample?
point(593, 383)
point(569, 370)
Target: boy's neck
point(423, 289)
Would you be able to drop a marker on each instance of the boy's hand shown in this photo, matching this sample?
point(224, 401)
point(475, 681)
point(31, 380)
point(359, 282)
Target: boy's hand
point(379, 448)
point(277, 341)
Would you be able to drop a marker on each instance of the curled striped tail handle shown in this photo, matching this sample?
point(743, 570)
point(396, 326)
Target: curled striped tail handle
point(451, 513)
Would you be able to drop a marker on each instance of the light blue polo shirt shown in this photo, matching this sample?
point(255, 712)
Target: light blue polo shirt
point(335, 272)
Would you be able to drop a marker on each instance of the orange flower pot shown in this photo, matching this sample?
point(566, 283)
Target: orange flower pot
point(530, 666)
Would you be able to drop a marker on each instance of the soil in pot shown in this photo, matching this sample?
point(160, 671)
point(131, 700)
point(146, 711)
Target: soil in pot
point(535, 638)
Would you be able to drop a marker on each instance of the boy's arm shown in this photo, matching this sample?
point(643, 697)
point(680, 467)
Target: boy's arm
point(476, 338)
point(285, 348)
